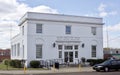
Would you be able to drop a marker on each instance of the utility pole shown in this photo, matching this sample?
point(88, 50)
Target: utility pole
point(10, 39)
point(10, 33)
point(107, 37)
point(108, 48)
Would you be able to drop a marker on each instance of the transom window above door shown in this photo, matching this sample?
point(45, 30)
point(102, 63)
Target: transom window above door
point(76, 47)
point(68, 47)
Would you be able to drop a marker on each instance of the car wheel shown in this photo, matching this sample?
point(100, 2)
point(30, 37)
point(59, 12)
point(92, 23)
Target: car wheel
point(117, 69)
point(106, 69)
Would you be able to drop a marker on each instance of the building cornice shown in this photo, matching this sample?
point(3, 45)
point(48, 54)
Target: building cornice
point(59, 21)
point(64, 15)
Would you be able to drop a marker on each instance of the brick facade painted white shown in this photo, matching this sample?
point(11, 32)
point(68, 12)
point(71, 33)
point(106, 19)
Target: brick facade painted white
point(54, 34)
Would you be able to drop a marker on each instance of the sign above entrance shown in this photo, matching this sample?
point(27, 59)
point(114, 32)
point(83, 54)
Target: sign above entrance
point(68, 39)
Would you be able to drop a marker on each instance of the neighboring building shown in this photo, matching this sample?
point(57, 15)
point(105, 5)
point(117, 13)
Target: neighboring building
point(111, 53)
point(4, 54)
point(53, 36)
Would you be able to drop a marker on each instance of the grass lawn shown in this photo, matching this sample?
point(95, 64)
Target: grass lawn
point(5, 67)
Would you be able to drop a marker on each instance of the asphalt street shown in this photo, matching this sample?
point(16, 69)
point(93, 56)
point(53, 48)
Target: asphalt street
point(90, 73)
point(76, 73)
point(86, 73)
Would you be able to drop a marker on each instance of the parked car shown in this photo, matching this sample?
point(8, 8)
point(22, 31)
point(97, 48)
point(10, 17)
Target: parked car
point(108, 65)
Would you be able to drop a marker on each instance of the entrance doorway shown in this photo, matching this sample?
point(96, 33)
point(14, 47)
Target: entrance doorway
point(68, 56)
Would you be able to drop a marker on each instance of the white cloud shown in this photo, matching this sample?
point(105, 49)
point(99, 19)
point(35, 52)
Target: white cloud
point(5, 28)
point(7, 25)
point(10, 13)
point(102, 7)
point(44, 9)
point(113, 35)
point(92, 15)
point(103, 11)
point(114, 28)
point(8, 6)
point(103, 14)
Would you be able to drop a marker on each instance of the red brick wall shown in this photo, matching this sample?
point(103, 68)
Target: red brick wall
point(4, 54)
point(107, 56)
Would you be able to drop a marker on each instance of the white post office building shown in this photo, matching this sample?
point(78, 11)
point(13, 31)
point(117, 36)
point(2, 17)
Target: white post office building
point(55, 36)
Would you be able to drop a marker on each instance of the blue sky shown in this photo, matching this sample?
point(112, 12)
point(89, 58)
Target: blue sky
point(109, 10)
point(80, 7)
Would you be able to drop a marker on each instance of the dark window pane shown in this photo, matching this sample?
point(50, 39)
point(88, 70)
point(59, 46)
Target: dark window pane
point(38, 51)
point(93, 51)
point(60, 54)
point(93, 30)
point(76, 54)
point(59, 47)
point(38, 28)
point(76, 47)
point(68, 29)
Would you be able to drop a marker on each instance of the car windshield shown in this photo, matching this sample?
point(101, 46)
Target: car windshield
point(106, 62)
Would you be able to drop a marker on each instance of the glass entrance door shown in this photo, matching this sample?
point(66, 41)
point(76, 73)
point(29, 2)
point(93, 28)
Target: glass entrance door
point(68, 56)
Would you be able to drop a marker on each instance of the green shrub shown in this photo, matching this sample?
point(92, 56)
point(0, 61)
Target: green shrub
point(12, 63)
point(16, 63)
point(6, 61)
point(95, 61)
point(34, 64)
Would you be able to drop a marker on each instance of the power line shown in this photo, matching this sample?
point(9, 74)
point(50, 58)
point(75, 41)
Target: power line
point(118, 37)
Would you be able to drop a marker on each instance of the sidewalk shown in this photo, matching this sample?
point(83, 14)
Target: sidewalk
point(61, 70)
